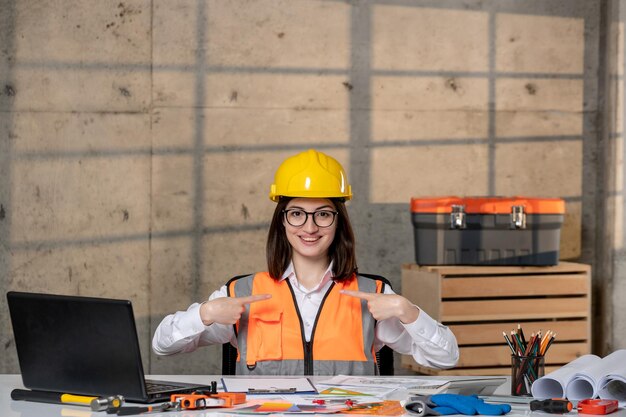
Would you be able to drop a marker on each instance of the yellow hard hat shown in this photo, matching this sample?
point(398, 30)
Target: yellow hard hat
point(310, 174)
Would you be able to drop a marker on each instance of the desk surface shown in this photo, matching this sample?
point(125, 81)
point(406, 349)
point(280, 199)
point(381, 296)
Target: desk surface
point(10, 408)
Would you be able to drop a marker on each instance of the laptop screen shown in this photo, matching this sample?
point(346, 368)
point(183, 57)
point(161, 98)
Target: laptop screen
point(76, 344)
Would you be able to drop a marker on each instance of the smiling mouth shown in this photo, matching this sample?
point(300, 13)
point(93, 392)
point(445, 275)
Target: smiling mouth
point(309, 239)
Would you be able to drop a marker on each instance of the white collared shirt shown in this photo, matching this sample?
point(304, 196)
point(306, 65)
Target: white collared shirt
point(309, 301)
point(430, 343)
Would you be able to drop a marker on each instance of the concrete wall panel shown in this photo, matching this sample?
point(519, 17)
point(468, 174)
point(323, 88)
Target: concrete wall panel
point(224, 258)
point(72, 28)
point(259, 33)
point(429, 93)
point(172, 282)
point(283, 33)
point(421, 38)
point(93, 58)
point(78, 185)
point(231, 127)
point(539, 168)
point(400, 173)
point(172, 185)
point(539, 44)
point(80, 199)
point(41, 136)
point(540, 95)
point(175, 29)
point(538, 124)
point(237, 187)
point(293, 91)
point(391, 125)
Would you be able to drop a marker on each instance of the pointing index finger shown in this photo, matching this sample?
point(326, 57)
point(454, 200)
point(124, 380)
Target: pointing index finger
point(358, 294)
point(254, 298)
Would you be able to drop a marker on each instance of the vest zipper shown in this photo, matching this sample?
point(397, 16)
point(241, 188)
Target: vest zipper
point(307, 347)
point(315, 327)
point(308, 358)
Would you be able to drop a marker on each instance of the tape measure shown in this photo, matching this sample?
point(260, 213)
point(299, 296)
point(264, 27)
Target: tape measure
point(597, 406)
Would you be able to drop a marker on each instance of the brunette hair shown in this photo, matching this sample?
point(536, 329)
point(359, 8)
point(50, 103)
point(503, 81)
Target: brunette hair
point(341, 252)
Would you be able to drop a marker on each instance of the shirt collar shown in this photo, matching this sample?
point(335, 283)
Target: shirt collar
point(291, 272)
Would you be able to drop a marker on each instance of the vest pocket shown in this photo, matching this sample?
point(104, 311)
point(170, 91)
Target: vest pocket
point(268, 334)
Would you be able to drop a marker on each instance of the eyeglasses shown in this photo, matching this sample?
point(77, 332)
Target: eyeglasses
point(321, 218)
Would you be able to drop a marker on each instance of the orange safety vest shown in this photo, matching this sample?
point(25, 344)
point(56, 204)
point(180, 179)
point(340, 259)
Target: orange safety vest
point(270, 334)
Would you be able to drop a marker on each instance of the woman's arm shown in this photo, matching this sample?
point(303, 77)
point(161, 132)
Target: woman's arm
point(410, 331)
point(184, 331)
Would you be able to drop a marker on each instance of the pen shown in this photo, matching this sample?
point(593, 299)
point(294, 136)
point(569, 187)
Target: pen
point(271, 390)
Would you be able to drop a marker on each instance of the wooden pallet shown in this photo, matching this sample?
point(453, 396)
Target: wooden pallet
point(478, 303)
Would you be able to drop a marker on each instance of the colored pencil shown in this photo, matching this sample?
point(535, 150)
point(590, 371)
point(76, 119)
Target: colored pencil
point(508, 342)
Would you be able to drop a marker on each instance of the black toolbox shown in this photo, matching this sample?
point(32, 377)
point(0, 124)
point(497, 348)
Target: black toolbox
point(487, 230)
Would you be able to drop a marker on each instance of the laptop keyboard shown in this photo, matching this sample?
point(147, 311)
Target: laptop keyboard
point(152, 386)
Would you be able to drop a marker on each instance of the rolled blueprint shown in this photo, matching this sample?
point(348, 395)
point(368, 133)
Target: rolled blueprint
point(554, 384)
point(612, 386)
point(587, 382)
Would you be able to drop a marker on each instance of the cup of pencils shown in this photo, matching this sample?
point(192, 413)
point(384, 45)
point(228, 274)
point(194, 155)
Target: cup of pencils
point(527, 358)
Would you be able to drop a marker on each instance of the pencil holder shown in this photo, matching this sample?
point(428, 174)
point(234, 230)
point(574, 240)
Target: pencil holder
point(524, 371)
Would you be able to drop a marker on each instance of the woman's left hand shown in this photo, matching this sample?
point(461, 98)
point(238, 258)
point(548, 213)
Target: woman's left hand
point(384, 306)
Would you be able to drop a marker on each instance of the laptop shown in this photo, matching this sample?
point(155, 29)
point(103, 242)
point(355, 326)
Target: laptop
point(83, 345)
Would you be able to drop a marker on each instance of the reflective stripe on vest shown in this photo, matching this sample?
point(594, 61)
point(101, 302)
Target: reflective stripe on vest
point(270, 334)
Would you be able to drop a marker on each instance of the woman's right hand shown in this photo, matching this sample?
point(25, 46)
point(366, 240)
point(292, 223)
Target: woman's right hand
point(227, 310)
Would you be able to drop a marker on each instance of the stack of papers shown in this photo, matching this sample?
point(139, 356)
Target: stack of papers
point(269, 385)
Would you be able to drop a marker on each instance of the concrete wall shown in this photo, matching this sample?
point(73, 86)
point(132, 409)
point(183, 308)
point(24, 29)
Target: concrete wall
point(138, 138)
point(614, 259)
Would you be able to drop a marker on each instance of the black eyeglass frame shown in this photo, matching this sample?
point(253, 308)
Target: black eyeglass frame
point(312, 213)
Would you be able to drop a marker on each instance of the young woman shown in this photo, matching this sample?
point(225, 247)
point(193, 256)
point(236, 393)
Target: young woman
point(311, 313)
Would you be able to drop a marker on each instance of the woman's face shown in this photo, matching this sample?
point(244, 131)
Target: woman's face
point(310, 240)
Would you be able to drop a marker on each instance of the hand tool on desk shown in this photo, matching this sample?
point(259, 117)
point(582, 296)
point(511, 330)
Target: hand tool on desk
point(553, 405)
point(229, 399)
point(130, 411)
point(198, 400)
point(590, 406)
point(96, 403)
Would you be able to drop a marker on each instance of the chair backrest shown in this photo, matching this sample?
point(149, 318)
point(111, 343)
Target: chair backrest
point(229, 359)
point(384, 358)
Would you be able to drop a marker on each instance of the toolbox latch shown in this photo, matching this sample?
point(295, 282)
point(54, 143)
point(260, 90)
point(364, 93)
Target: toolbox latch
point(518, 217)
point(457, 217)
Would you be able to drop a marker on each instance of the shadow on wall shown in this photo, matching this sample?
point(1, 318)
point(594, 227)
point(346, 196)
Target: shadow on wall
point(140, 169)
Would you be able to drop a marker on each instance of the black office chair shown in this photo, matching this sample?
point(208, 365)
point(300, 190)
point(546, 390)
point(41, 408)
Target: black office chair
point(229, 359)
point(384, 358)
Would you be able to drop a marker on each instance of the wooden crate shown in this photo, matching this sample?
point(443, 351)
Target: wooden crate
point(478, 303)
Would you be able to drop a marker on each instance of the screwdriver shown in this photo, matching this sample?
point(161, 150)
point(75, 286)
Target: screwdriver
point(553, 406)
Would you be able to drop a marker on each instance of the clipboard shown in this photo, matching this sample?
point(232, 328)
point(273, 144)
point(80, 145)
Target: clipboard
point(265, 386)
